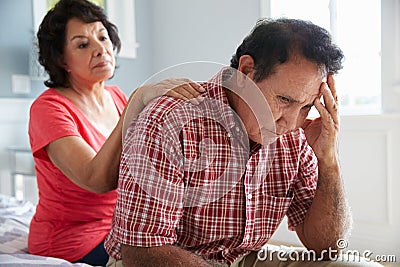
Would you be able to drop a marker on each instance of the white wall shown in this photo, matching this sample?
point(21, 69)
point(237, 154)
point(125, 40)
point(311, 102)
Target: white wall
point(204, 30)
point(369, 156)
point(13, 132)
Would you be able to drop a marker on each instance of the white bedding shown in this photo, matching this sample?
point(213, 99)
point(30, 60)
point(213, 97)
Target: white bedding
point(15, 217)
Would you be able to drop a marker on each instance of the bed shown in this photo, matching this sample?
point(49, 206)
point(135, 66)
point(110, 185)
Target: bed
point(15, 217)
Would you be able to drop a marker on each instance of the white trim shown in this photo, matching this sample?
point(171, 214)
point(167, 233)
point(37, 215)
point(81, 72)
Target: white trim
point(390, 15)
point(265, 8)
point(122, 14)
point(390, 138)
point(39, 11)
point(333, 18)
point(397, 39)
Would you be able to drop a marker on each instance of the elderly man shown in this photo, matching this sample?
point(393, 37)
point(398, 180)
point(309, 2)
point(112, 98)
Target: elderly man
point(208, 185)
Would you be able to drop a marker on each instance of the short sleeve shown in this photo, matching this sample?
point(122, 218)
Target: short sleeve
point(305, 186)
point(49, 120)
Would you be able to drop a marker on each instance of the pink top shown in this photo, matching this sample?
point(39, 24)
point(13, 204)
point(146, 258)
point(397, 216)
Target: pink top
point(69, 221)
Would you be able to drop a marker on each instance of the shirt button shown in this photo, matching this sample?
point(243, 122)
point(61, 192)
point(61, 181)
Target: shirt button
point(249, 196)
point(228, 135)
point(247, 237)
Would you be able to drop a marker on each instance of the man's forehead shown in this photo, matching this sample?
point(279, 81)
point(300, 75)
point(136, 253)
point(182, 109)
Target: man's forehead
point(300, 91)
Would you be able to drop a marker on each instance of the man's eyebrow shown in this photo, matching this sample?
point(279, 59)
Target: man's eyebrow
point(292, 100)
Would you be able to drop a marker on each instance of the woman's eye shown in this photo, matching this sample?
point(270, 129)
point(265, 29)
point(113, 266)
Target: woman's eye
point(82, 45)
point(104, 38)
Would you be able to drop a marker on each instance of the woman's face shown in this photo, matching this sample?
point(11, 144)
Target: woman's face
point(88, 52)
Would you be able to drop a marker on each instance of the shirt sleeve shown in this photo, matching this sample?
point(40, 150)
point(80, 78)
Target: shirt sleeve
point(49, 120)
point(150, 190)
point(305, 186)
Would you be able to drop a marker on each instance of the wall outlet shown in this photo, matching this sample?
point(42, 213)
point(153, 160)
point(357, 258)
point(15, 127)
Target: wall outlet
point(21, 84)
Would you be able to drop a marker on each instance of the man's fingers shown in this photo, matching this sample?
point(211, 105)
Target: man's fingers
point(306, 123)
point(332, 87)
point(321, 108)
point(331, 104)
point(325, 116)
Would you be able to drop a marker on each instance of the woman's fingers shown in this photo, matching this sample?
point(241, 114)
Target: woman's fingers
point(180, 88)
point(185, 89)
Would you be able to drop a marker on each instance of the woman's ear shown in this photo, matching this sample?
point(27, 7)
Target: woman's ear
point(246, 67)
point(62, 64)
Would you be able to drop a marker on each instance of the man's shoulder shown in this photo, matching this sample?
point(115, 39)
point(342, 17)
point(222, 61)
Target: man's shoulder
point(161, 108)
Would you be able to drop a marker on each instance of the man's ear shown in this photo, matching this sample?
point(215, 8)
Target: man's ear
point(246, 67)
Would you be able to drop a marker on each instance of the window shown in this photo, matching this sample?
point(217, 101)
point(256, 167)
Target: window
point(356, 28)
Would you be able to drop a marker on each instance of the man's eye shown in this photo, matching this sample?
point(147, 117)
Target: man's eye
point(284, 99)
point(308, 107)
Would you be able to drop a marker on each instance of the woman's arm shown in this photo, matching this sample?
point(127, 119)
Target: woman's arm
point(98, 172)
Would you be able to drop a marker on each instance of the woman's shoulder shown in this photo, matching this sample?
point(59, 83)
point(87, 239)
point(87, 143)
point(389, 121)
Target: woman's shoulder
point(49, 93)
point(50, 98)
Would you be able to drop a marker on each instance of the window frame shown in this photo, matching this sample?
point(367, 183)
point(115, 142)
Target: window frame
point(390, 59)
point(390, 28)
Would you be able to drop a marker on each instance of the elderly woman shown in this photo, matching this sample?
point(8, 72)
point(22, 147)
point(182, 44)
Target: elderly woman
point(75, 131)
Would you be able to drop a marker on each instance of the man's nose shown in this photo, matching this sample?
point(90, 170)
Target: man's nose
point(289, 120)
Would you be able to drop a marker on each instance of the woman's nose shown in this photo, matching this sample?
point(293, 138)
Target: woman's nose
point(100, 49)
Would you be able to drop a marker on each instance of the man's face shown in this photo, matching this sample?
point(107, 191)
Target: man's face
point(290, 92)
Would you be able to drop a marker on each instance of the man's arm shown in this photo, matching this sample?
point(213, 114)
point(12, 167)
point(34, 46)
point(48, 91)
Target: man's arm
point(328, 218)
point(166, 256)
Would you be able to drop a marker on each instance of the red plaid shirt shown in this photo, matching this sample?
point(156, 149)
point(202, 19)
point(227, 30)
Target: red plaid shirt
point(188, 178)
